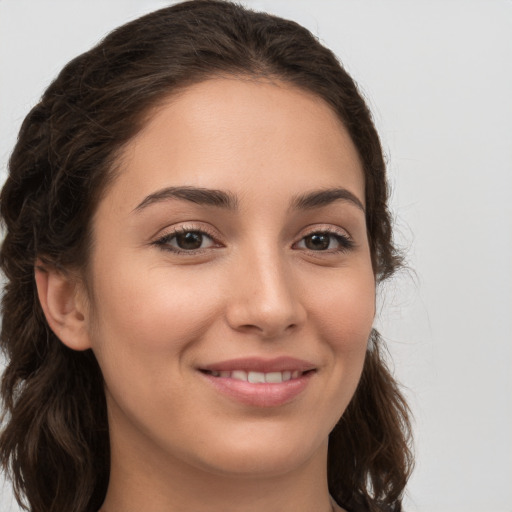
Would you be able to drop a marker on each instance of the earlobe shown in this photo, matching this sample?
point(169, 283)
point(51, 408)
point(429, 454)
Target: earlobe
point(63, 306)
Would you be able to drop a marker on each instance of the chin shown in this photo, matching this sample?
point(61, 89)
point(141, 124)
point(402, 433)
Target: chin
point(262, 453)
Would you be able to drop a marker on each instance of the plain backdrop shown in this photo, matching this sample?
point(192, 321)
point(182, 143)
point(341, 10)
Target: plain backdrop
point(438, 77)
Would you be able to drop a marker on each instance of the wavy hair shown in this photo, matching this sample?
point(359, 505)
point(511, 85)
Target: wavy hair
point(54, 442)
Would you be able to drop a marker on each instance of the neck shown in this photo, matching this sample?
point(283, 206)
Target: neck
point(144, 479)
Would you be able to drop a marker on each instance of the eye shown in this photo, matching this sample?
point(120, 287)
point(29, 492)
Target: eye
point(186, 240)
point(326, 241)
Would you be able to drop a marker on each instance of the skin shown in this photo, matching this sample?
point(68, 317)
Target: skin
point(254, 288)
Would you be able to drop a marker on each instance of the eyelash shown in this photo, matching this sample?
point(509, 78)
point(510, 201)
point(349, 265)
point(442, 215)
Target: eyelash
point(345, 242)
point(164, 241)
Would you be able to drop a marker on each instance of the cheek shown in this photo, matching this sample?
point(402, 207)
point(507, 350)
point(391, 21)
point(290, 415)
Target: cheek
point(345, 311)
point(145, 323)
point(342, 318)
point(145, 328)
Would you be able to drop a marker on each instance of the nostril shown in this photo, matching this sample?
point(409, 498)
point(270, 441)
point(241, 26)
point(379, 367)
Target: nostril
point(260, 315)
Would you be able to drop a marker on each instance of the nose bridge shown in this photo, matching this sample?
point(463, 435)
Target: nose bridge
point(266, 299)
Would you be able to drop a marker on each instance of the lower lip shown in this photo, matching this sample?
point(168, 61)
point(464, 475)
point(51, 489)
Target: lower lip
point(262, 394)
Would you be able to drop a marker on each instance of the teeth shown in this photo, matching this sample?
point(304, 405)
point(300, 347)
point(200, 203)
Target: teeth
point(239, 375)
point(258, 377)
point(273, 377)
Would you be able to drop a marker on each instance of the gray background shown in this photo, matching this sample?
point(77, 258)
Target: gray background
point(438, 77)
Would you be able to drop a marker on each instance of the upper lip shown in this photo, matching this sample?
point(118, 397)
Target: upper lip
point(259, 364)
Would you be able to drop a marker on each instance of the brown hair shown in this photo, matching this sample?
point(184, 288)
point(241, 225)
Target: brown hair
point(55, 442)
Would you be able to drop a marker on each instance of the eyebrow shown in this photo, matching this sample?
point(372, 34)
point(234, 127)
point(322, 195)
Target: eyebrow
point(319, 198)
point(227, 200)
point(202, 196)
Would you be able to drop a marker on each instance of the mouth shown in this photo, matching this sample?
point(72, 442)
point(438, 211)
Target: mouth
point(260, 382)
point(255, 377)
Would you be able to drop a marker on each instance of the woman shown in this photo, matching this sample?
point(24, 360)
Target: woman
point(196, 220)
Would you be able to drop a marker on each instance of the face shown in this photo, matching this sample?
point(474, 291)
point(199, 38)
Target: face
point(231, 286)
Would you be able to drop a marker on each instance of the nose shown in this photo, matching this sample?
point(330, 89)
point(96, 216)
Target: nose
point(264, 299)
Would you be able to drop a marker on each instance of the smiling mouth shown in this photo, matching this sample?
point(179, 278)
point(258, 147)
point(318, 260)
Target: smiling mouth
point(258, 382)
point(254, 377)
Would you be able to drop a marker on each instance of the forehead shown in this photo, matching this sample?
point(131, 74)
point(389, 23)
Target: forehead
point(234, 133)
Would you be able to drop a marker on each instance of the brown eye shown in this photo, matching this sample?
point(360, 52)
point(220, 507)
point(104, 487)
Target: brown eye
point(325, 241)
point(186, 241)
point(189, 240)
point(317, 241)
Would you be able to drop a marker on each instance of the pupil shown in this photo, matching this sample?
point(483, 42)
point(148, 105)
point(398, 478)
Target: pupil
point(189, 240)
point(317, 242)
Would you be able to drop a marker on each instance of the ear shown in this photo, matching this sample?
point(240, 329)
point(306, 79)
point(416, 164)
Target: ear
point(64, 305)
